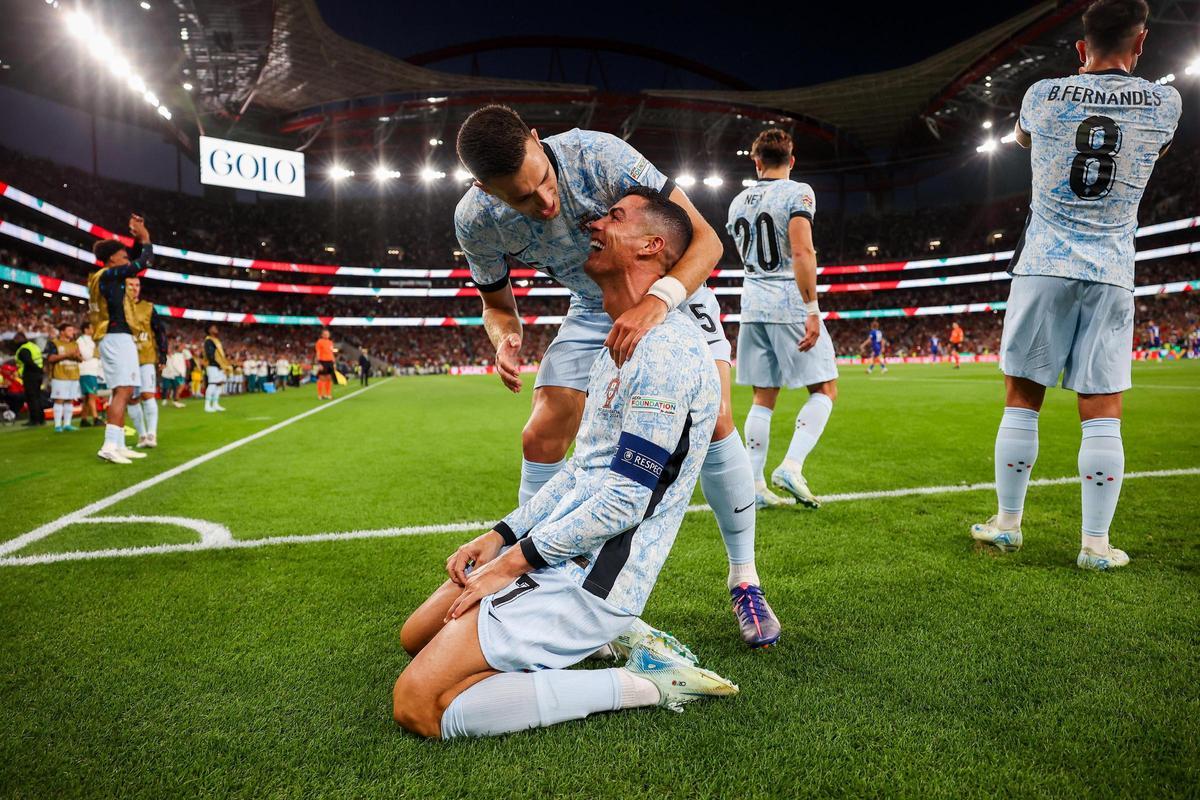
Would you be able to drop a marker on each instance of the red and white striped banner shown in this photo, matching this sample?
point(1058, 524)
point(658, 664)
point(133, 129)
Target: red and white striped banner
point(71, 289)
point(29, 201)
point(54, 245)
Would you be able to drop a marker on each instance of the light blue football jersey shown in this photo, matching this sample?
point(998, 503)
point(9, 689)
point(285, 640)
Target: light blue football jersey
point(594, 170)
point(1096, 138)
point(758, 223)
point(609, 518)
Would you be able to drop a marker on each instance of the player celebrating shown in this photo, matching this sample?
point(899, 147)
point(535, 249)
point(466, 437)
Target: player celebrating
point(151, 341)
point(583, 553)
point(956, 342)
point(111, 311)
point(216, 364)
point(62, 354)
point(530, 205)
point(325, 353)
point(1095, 138)
point(782, 340)
point(875, 342)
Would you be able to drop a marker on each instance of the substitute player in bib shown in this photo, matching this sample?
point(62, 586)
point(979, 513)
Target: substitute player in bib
point(111, 310)
point(572, 568)
point(62, 354)
point(216, 365)
point(530, 205)
point(151, 340)
point(1095, 138)
point(782, 340)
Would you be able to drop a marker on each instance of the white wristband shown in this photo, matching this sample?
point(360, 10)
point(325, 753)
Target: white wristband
point(811, 307)
point(669, 290)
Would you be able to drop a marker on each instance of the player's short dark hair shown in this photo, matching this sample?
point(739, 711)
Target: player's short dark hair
point(491, 142)
point(676, 224)
point(773, 147)
point(105, 249)
point(1110, 25)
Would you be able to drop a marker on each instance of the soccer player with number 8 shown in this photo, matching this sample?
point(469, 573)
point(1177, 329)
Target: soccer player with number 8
point(1094, 140)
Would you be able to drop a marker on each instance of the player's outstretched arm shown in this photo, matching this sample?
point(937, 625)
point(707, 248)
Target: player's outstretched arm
point(692, 270)
point(503, 326)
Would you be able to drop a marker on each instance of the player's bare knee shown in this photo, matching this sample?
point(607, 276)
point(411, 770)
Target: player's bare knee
point(411, 636)
point(413, 711)
point(540, 442)
point(828, 388)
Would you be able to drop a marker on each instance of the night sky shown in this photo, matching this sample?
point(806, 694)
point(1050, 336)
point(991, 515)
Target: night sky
point(803, 44)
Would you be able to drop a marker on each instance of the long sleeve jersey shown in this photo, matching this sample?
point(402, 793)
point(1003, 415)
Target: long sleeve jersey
point(610, 517)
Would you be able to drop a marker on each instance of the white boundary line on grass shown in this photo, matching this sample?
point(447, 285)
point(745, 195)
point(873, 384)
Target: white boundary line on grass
point(43, 531)
point(216, 542)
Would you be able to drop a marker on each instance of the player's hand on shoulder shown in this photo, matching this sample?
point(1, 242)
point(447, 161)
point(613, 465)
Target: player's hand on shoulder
point(632, 326)
point(508, 363)
point(474, 554)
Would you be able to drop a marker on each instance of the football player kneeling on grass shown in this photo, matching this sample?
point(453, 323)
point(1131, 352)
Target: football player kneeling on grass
point(571, 569)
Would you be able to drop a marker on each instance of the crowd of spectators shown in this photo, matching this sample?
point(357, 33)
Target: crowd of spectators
point(410, 226)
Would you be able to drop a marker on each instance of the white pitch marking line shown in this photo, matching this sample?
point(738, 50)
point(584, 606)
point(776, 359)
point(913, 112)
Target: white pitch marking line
point(42, 532)
point(461, 527)
point(212, 534)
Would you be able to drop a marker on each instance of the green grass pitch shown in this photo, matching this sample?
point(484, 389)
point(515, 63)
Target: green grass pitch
point(910, 664)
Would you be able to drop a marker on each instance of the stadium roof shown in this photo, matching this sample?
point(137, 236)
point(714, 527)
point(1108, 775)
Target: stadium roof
point(874, 108)
point(300, 62)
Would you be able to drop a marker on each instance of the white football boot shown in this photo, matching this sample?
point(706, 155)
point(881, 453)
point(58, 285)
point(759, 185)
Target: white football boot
point(765, 498)
point(1094, 559)
point(112, 455)
point(792, 482)
point(1005, 540)
point(659, 643)
point(677, 681)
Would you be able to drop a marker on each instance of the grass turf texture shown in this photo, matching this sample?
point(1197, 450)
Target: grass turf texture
point(910, 664)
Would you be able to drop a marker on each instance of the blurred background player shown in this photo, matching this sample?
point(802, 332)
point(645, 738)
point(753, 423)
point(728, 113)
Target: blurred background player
point(151, 341)
point(31, 372)
point(1095, 138)
point(111, 310)
point(89, 375)
point(325, 355)
point(282, 372)
point(174, 373)
point(782, 340)
point(873, 345)
point(529, 204)
point(364, 367)
point(956, 342)
point(935, 348)
point(215, 368)
point(1154, 335)
point(62, 354)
